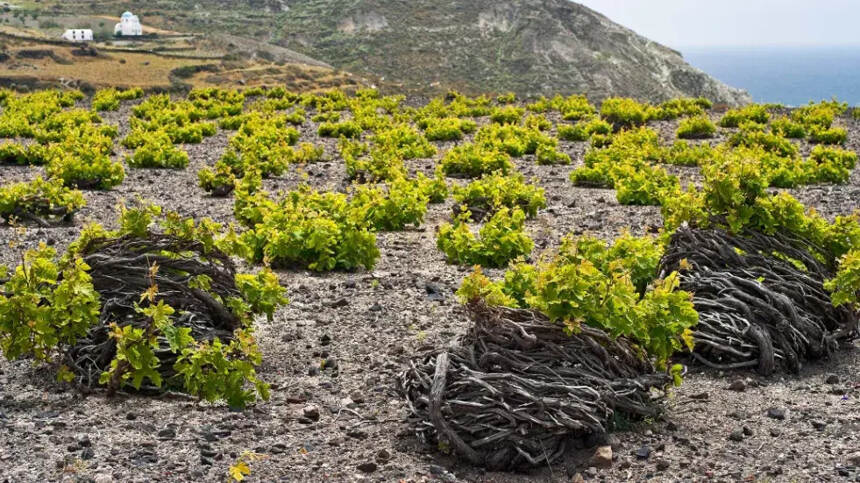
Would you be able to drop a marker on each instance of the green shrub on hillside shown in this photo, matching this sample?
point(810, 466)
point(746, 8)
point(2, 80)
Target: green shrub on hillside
point(474, 160)
point(699, 127)
point(507, 115)
point(499, 241)
point(39, 201)
point(756, 113)
point(787, 128)
point(492, 192)
point(623, 112)
point(347, 129)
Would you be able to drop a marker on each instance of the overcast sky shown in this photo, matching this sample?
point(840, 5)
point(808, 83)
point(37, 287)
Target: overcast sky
point(731, 23)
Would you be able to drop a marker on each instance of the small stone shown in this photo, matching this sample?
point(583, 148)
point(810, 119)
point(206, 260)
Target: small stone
point(88, 454)
point(130, 416)
point(663, 465)
point(368, 467)
point(747, 431)
point(206, 461)
point(330, 363)
point(854, 459)
point(167, 433)
point(383, 456)
point(832, 379)
point(336, 304)
point(819, 425)
point(84, 442)
point(643, 453)
point(737, 386)
point(591, 472)
point(775, 432)
point(102, 478)
point(602, 457)
point(376, 307)
point(314, 370)
point(671, 426)
point(577, 478)
point(311, 412)
point(325, 340)
point(736, 435)
point(702, 396)
point(776, 413)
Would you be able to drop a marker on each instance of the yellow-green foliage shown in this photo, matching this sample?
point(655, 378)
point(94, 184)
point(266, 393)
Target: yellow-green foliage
point(39, 201)
point(611, 288)
point(474, 160)
point(754, 112)
point(500, 240)
point(698, 127)
point(492, 192)
point(624, 112)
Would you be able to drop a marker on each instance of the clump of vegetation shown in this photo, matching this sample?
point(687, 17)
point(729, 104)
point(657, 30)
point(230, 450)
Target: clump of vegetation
point(624, 113)
point(447, 128)
point(683, 153)
point(52, 310)
point(158, 152)
point(485, 196)
point(499, 241)
point(474, 160)
point(304, 228)
point(507, 115)
point(582, 131)
point(39, 202)
point(787, 128)
point(699, 127)
point(347, 129)
point(109, 99)
point(756, 113)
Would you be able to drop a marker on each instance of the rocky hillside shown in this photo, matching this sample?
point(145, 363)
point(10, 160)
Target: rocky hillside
point(528, 46)
point(426, 46)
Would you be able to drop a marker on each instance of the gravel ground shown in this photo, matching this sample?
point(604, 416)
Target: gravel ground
point(346, 422)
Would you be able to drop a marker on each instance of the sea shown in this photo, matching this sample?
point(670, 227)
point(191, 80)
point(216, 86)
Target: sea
point(791, 76)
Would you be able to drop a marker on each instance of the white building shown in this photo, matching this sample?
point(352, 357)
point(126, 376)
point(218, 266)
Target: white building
point(128, 26)
point(78, 35)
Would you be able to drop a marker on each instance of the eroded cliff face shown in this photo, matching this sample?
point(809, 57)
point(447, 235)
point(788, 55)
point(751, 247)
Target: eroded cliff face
point(527, 46)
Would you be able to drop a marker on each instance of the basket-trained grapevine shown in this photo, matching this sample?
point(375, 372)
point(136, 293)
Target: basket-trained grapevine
point(305, 228)
point(447, 128)
point(157, 151)
point(501, 239)
point(347, 129)
point(39, 202)
point(404, 204)
point(755, 113)
point(196, 336)
point(109, 99)
point(13, 153)
point(473, 160)
point(611, 288)
point(683, 153)
point(485, 196)
point(507, 115)
point(623, 112)
point(699, 127)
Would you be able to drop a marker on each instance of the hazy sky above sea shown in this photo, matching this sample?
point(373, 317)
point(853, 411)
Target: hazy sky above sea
point(737, 23)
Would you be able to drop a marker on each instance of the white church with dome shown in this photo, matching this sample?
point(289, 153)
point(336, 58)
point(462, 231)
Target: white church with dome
point(128, 26)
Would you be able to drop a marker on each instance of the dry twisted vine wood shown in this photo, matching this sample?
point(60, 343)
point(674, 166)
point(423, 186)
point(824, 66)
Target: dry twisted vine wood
point(517, 389)
point(757, 306)
point(120, 271)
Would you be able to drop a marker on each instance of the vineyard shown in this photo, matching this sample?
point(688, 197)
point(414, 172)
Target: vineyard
point(265, 284)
